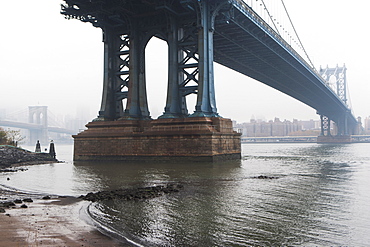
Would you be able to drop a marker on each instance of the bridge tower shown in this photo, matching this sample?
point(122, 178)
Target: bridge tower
point(124, 129)
point(38, 115)
point(336, 78)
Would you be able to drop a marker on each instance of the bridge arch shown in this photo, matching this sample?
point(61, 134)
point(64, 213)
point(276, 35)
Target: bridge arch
point(38, 115)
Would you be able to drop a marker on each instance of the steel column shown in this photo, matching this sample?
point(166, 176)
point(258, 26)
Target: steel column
point(206, 102)
point(111, 108)
point(124, 76)
point(137, 104)
point(176, 102)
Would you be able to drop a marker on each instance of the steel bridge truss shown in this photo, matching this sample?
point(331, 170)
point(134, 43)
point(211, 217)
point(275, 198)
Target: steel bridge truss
point(336, 78)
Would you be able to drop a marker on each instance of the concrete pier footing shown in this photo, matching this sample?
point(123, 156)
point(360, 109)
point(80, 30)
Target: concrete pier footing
point(188, 139)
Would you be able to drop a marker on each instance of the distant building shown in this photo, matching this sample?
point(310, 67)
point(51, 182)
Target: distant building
point(367, 125)
point(310, 124)
point(276, 127)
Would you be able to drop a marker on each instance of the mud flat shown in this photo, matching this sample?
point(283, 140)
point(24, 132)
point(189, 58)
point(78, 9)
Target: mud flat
point(49, 222)
point(28, 219)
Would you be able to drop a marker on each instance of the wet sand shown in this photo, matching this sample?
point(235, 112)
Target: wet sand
point(53, 222)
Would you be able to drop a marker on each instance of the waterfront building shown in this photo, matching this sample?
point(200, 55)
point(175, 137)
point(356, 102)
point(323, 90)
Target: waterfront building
point(276, 127)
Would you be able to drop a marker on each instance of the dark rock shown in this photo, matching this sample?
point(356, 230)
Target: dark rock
point(133, 194)
point(7, 204)
point(46, 198)
point(24, 206)
point(265, 177)
point(2, 210)
point(13, 170)
point(18, 201)
point(28, 200)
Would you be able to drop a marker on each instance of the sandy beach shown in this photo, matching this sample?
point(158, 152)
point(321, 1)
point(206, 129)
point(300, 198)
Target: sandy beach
point(54, 222)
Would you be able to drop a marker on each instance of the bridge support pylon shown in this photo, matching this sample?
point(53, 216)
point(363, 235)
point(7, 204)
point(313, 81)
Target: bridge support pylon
point(343, 132)
point(124, 129)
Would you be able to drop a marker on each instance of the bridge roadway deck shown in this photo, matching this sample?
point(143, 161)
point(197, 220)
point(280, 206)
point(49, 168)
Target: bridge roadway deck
point(20, 125)
point(32, 126)
point(245, 43)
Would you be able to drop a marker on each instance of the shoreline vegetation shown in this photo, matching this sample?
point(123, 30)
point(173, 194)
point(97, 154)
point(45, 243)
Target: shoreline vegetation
point(28, 219)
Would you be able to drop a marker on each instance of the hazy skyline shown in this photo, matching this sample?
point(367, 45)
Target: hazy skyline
point(48, 60)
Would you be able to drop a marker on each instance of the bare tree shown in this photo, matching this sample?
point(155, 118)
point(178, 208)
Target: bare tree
point(14, 137)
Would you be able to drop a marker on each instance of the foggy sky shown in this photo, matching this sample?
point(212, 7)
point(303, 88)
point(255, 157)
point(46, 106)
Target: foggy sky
point(48, 60)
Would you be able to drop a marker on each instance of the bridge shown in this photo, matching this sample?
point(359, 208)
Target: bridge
point(37, 125)
point(198, 33)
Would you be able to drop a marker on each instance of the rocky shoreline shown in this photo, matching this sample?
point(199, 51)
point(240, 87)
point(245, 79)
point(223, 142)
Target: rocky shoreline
point(141, 193)
point(10, 155)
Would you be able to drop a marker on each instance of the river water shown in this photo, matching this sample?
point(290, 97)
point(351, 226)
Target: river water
point(318, 196)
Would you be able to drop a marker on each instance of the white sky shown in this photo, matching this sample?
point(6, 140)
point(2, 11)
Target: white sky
point(48, 60)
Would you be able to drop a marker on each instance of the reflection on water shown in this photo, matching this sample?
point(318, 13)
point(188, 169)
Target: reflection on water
point(319, 199)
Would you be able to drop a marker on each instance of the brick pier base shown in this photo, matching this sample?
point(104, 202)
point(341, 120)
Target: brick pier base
point(188, 139)
point(334, 139)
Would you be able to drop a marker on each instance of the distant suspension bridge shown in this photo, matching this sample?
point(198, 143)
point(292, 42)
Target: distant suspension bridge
point(38, 125)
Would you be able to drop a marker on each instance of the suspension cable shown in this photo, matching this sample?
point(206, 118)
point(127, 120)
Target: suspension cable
point(268, 13)
point(291, 23)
